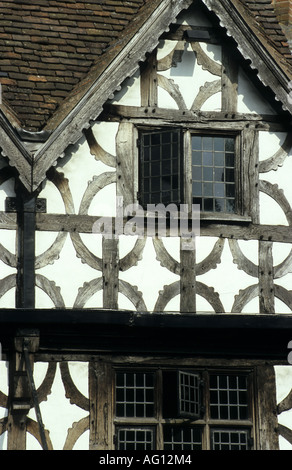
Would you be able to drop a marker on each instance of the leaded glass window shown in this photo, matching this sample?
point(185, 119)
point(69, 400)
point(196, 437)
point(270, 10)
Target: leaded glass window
point(160, 167)
point(230, 439)
point(214, 173)
point(228, 397)
point(133, 438)
point(134, 394)
point(172, 409)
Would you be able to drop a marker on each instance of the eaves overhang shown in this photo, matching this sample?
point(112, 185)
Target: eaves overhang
point(264, 337)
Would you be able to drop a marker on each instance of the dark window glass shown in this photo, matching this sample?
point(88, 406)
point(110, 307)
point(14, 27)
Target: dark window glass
point(228, 397)
point(132, 438)
point(160, 168)
point(182, 438)
point(229, 439)
point(134, 394)
point(213, 162)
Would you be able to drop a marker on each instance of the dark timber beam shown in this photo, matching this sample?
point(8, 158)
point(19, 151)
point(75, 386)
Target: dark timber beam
point(26, 215)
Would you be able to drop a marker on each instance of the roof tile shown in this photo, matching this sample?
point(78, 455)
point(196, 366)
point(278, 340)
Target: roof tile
point(48, 46)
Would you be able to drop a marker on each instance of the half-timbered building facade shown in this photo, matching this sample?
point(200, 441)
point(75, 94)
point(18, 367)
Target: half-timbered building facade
point(128, 319)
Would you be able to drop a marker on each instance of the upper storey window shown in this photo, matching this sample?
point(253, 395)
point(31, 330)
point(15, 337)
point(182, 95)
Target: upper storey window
point(214, 165)
point(192, 167)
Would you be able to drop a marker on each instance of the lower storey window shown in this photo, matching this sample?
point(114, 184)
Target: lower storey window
point(183, 410)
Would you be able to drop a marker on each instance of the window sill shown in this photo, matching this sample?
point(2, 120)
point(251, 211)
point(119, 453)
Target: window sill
point(218, 217)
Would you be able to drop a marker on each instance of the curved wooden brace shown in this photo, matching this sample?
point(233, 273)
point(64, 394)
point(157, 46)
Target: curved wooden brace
point(97, 151)
point(62, 184)
point(278, 158)
point(205, 61)
point(172, 290)
point(209, 294)
point(3, 400)
point(164, 258)
point(71, 391)
point(173, 90)
point(173, 58)
point(87, 291)
point(45, 388)
point(285, 404)
point(244, 297)
point(241, 260)
point(132, 293)
point(94, 186)
point(82, 252)
point(3, 425)
point(50, 288)
point(206, 91)
point(212, 260)
point(283, 268)
point(278, 195)
point(284, 295)
point(75, 432)
point(53, 253)
point(7, 257)
point(134, 256)
point(7, 283)
point(166, 295)
point(33, 428)
point(285, 432)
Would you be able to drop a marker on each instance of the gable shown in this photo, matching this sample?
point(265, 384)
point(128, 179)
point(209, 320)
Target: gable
point(86, 101)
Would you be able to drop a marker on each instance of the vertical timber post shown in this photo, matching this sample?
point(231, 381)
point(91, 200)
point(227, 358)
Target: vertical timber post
point(26, 215)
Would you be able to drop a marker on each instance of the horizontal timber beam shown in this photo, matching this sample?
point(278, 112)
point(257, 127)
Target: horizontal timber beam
point(99, 331)
point(85, 223)
point(193, 118)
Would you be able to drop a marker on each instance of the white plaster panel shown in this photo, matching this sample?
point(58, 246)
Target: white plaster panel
point(280, 253)
point(270, 143)
point(104, 203)
point(7, 188)
point(58, 414)
point(283, 375)
point(189, 76)
point(68, 273)
point(129, 95)
point(105, 134)
point(249, 99)
point(165, 100)
point(227, 280)
point(270, 211)
point(8, 299)
point(79, 166)
point(149, 276)
point(214, 103)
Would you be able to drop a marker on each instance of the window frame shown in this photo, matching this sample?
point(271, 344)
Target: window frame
point(205, 422)
point(246, 176)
